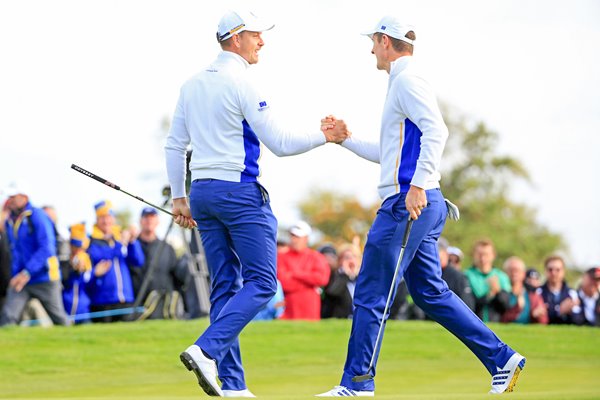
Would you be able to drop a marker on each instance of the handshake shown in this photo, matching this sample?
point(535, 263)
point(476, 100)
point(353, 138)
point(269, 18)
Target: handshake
point(335, 130)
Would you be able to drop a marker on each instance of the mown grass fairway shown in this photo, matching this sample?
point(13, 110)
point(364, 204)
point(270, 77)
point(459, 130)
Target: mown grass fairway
point(287, 360)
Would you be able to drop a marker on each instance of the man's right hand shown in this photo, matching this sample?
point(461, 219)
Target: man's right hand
point(19, 281)
point(182, 213)
point(335, 130)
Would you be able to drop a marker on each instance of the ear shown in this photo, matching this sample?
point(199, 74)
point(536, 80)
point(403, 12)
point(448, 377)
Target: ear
point(386, 40)
point(236, 40)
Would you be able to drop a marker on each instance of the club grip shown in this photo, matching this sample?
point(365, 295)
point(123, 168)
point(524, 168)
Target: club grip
point(94, 176)
point(407, 231)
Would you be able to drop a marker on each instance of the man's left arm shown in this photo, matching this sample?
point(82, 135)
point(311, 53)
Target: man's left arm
point(417, 100)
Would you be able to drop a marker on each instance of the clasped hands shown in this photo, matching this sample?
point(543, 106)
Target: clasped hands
point(335, 130)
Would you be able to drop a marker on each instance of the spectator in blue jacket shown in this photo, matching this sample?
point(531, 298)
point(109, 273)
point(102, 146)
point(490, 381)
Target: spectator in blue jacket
point(560, 299)
point(110, 287)
point(35, 272)
point(79, 273)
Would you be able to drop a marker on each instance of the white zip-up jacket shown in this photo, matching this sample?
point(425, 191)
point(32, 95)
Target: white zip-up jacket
point(225, 118)
point(413, 133)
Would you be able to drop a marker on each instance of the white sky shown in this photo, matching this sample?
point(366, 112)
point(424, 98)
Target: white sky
point(89, 82)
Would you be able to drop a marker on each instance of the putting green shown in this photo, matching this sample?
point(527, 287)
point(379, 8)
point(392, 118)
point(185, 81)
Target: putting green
point(287, 360)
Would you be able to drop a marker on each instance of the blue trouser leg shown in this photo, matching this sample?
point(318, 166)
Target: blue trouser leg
point(373, 284)
point(431, 294)
point(224, 263)
point(239, 238)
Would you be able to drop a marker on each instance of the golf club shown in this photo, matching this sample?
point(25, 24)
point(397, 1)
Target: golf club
point(369, 375)
point(116, 187)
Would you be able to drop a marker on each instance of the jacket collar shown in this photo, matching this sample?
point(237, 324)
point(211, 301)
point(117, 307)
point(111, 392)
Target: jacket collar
point(399, 65)
point(231, 58)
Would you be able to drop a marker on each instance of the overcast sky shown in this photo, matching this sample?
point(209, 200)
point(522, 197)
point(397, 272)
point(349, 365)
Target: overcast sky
point(90, 82)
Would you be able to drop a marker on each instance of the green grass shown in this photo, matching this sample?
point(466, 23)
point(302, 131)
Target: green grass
point(287, 360)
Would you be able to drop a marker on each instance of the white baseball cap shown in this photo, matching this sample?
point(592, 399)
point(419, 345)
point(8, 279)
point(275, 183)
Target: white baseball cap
point(238, 21)
point(455, 251)
point(301, 229)
point(15, 188)
point(391, 26)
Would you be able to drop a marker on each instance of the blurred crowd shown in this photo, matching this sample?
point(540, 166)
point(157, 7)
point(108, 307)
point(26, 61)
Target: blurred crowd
point(98, 274)
point(103, 273)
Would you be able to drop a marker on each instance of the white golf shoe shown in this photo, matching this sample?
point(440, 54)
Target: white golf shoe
point(204, 368)
point(238, 393)
point(506, 378)
point(343, 391)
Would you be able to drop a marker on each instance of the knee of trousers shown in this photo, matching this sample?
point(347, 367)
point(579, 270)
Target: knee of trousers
point(426, 299)
point(265, 290)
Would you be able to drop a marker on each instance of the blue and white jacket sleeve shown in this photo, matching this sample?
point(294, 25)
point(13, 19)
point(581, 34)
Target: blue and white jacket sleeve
point(175, 150)
point(362, 148)
point(418, 101)
point(260, 118)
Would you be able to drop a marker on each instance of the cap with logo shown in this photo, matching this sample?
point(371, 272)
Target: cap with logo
point(238, 21)
point(392, 27)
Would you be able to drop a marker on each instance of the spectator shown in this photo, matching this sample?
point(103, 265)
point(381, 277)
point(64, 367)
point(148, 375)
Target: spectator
point(162, 299)
point(452, 274)
point(339, 292)
point(283, 242)
point(533, 279)
point(75, 279)
point(524, 306)
point(330, 254)
point(62, 247)
point(589, 298)
point(302, 272)
point(491, 286)
point(110, 287)
point(5, 259)
point(455, 257)
point(560, 299)
point(35, 272)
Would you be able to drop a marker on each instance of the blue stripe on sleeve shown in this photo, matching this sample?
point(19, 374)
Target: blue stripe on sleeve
point(411, 148)
point(252, 149)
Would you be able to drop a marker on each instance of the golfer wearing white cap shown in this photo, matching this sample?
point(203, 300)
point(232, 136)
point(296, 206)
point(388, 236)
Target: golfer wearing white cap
point(412, 139)
point(225, 118)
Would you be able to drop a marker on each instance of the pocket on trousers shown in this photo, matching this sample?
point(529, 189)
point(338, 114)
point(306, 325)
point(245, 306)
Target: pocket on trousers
point(243, 196)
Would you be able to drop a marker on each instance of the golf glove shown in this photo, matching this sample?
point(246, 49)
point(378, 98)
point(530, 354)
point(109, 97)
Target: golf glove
point(453, 212)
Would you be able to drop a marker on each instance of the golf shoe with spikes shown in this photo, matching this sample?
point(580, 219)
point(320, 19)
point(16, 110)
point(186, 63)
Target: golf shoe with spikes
point(204, 368)
point(506, 378)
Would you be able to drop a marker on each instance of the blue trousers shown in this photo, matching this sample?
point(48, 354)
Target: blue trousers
point(238, 232)
point(423, 274)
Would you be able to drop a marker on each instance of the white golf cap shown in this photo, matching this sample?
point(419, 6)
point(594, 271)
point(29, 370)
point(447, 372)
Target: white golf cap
point(455, 251)
point(391, 26)
point(238, 21)
point(15, 188)
point(301, 229)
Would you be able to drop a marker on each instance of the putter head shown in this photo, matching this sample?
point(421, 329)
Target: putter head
point(362, 378)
